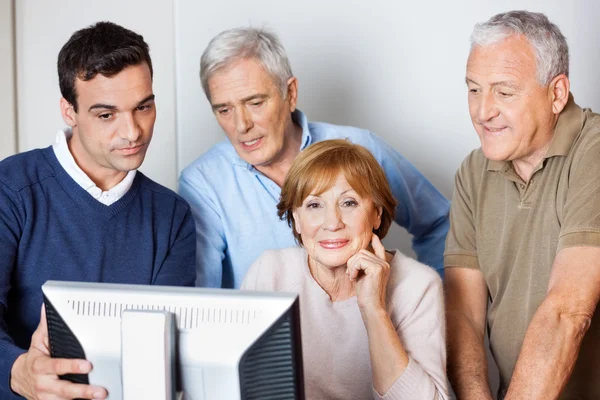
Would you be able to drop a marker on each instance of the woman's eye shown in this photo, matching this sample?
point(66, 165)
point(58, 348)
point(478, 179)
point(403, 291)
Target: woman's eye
point(312, 205)
point(350, 203)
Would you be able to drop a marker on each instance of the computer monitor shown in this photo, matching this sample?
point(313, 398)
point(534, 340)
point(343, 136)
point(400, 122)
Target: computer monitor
point(223, 344)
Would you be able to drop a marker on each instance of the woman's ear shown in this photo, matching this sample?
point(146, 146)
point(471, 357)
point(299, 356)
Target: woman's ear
point(377, 222)
point(296, 222)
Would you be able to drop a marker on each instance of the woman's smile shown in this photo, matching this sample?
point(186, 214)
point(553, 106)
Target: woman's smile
point(333, 244)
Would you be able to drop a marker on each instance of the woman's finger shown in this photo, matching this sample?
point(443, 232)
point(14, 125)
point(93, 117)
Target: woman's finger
point(378, 247)
point(363, 260)
point(353, 266)
point(352, 269)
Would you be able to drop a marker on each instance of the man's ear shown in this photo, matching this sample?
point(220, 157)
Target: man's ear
point(292, 92)
point(296, 222)
point(559, 90)
point(68, 113)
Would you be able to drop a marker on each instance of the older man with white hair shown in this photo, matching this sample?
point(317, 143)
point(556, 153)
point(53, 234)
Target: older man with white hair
point(234, 188)
point(525, 222)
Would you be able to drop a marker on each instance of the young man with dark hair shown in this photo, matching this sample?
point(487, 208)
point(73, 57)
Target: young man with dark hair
point(80, 211)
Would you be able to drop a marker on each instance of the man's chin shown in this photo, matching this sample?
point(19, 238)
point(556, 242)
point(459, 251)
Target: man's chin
point(255, 161)
point(495, 157)
point(129, 165)
point(493, 153)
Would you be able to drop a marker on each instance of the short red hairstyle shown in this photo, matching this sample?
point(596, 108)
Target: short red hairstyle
point(316, 169)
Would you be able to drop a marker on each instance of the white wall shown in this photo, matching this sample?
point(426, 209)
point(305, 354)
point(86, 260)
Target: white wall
point(8, 133)
point(43, 27)
point(396, 68)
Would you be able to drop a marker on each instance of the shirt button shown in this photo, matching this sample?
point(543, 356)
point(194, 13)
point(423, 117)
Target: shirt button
point(522, 186)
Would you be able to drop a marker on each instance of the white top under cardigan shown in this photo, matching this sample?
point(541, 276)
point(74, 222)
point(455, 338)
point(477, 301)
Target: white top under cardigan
point(335, 346)
point(66, 160)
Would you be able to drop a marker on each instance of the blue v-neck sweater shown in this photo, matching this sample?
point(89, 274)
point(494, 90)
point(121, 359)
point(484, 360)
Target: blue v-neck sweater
point(51, 228)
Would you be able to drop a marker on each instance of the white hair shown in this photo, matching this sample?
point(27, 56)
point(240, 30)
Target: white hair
point(246, 43)
point(549, 44)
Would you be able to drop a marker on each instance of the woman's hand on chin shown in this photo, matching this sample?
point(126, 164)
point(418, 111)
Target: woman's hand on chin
point(371, 273)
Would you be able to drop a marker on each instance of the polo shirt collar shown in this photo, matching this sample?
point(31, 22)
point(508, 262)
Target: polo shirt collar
point(568, 126)
point(298, 118)
point(494, 165)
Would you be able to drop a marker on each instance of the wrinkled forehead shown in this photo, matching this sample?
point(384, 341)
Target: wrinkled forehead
point(511, 57)
point(239, 78)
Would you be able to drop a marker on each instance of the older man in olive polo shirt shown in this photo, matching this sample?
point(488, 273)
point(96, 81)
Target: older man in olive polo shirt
point(525, 222)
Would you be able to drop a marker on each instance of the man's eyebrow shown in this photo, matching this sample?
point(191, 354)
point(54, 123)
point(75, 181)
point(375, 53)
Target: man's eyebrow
point(494, 84)
point(104, 106)
point(507, 84)
point(260, 96)
point(244, 100)
point(215, 106)
point(147, 99)
point(112, 107)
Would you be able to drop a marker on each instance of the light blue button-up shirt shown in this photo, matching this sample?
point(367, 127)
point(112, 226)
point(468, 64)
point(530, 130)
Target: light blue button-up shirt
point(235, 206)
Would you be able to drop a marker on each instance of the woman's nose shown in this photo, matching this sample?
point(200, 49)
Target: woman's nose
point(333, 220)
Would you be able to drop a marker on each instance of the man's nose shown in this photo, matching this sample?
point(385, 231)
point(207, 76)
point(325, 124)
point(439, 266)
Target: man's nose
point(243, 120)
point(486, 108)
point(130, 130)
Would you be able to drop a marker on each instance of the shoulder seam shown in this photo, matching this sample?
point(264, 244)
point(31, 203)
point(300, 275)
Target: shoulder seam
point(19, 189)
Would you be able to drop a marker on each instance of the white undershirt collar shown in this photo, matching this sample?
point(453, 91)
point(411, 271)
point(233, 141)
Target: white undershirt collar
point(66, 160)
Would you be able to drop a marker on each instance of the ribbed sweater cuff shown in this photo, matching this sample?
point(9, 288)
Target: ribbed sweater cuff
point(8, 354)
point(412, 384)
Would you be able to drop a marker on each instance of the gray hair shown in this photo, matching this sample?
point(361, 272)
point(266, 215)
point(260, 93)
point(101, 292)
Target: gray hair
point(549, 44)
point(246, 43)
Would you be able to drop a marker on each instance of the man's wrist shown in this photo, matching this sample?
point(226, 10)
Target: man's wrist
point(15, 373)
point(474, 389)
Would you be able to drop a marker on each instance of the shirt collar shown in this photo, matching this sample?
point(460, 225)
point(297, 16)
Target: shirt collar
point(568, 127)
point(66, 160)
point(299, 118)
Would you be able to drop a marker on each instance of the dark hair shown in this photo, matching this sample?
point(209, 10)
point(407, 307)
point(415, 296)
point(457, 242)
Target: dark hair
point(103, 48)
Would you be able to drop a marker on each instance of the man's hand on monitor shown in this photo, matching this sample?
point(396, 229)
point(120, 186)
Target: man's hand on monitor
point(34, 375)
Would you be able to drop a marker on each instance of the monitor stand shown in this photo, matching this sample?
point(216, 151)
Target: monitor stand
point(148, 355)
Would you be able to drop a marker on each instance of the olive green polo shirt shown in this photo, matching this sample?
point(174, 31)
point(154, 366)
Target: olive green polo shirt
point(511, 230)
